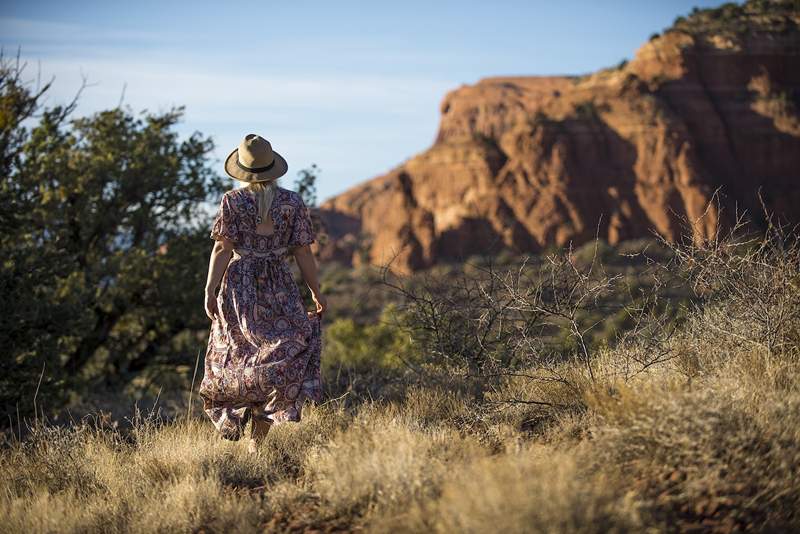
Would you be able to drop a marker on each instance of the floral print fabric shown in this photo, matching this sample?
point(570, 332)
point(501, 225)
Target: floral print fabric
point(263, 353)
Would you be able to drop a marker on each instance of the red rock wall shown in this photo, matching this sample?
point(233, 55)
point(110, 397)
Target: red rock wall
point(523, 163)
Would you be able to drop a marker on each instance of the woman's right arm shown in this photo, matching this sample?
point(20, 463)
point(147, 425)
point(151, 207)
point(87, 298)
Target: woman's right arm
point(220, 257)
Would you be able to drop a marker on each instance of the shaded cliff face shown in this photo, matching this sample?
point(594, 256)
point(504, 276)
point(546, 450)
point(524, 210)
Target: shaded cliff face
point(703, 117)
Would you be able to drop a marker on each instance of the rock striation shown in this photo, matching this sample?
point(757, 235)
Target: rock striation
point(674, 141)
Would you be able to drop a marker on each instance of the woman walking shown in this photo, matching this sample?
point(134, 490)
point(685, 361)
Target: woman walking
point(263, 354)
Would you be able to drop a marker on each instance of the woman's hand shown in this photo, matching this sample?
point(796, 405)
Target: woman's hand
point(211, 305)
point(220, 257)
point(321, 302)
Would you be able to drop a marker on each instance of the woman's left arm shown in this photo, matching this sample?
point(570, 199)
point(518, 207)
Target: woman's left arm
point(308, 268)
point(220, 257)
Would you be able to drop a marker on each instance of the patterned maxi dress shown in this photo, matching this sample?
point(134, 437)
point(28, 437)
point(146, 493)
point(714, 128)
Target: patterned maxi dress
point(263, 354)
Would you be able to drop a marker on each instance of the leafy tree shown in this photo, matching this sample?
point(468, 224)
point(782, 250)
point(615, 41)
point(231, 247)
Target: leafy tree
point(306, 185)
point(104, 242)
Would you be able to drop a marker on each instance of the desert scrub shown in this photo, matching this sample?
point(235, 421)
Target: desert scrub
point(383, 462)
point(120, 487)
point(677, 425)
point(159, 476)
point(362, 361)
point(539, 489)
point(381, 346)
point(721, 456)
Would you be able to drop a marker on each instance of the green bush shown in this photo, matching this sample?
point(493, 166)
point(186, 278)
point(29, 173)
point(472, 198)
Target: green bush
point(104, 241)
point(366, 347)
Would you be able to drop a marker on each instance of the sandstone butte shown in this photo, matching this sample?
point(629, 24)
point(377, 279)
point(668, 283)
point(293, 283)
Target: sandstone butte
point(675, 141)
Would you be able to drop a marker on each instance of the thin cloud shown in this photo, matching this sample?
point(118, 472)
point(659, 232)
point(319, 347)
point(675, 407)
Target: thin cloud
point(324, 118)
point(58, 34)
point(158, 84)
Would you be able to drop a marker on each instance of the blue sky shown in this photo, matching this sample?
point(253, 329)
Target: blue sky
point(354, 87)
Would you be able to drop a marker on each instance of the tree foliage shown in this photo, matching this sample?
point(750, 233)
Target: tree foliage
point(104, 241)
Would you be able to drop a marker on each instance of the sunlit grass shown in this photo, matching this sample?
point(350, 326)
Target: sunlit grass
point(655, 453)
point(706, 439)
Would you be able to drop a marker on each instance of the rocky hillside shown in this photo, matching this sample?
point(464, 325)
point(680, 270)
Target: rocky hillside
point(704, 116)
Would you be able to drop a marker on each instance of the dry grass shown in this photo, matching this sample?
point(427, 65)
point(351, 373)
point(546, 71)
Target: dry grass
point(659, 453)
point(707, 439)
point(538, 489)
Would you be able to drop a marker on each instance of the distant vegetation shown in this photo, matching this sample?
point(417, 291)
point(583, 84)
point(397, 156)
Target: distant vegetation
point(732, 18)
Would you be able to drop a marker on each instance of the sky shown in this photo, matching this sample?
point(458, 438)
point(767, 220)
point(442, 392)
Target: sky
point(353, 87)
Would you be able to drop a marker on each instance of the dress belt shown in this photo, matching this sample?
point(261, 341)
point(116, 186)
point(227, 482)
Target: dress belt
point(274, 254)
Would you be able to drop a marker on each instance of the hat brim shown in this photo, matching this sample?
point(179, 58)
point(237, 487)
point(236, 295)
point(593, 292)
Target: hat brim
point(234, 171)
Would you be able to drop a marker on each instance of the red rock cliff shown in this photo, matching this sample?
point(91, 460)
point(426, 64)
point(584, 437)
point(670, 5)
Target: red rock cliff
point(711, 105)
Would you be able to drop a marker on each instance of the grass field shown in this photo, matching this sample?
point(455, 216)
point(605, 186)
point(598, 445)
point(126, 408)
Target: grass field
point(707, 439)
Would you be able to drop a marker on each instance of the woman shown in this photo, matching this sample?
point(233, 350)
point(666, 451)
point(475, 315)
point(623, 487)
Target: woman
point(262, 359)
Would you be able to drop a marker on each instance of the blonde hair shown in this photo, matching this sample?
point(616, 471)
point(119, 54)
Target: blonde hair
point(264, 193)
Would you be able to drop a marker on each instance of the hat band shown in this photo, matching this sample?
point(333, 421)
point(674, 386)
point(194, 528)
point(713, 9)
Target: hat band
point(255, 169)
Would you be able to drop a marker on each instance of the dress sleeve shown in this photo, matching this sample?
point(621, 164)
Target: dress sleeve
point(225, 223)
point(302, 228)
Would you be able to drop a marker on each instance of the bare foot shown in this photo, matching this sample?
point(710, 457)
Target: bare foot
point(258, 432)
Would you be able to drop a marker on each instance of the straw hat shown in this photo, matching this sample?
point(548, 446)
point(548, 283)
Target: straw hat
point(255, 161)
